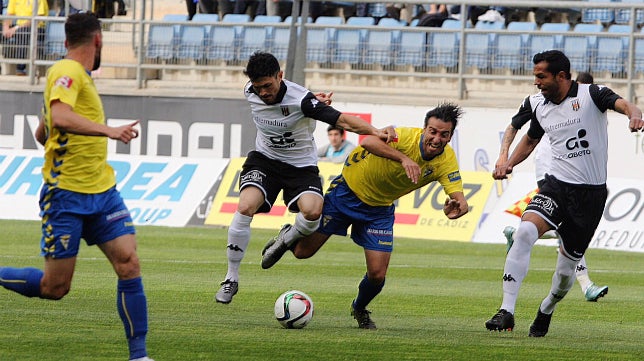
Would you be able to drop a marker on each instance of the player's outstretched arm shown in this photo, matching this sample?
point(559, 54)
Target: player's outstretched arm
point(455, 206)
point(356, 124)
point(64, 118)
point(521, 152)
point(508, 137)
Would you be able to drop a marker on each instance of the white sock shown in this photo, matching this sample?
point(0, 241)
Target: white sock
point(581, 272)
point(517, 262)
point(562, 281)
point(238, 239)
point(301, 228)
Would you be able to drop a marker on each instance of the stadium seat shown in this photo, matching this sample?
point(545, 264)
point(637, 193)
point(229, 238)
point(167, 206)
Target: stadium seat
point(541, 42)
point(278, 43)
point(609, 55)
point(161, 42)
point(602, 15)
point(205, 18)
point(221, 43)
point(175, 17)
point(444, 46)
point(253, 38)
point(391, 22)
point(361, 21)
point(512, 49)
point(638, 61)
point(379, 47)
point(237, 18)
point(267, 19)
point(319, 44)
point(412, 48)
point(329, 20)
point(580, 49)
point(623, 16)
point(348, 47)
point(55, 40)
point(192, 42)
point(479, 46)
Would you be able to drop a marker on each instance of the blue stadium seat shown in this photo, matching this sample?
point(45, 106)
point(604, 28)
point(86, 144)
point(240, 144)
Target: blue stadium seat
point(237, 18)
point(348, 47)
point(379, 47)
point(221, 44)
point(161, 41)
point(609, 55)
point(602, 15)
point(278, 44)
point(561, 28)
point(580, 49)
point(55, 39)
point(512, 49)
point(412, 48)
point(623, 16)
point(267, 19)
point(253, 38)
point(205, 18)
point(391, 22)
point(361, 20)
point(638, 62)
point(175, 17)
point(319, 44)
point(443, 47)
point(192, 42)
point(329, 20)
point(479, 47)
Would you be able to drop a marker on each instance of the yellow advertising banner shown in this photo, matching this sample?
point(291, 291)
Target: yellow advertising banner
point(419, 214)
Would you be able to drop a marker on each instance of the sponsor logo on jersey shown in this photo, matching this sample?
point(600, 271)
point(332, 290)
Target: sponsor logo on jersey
point(64, 81)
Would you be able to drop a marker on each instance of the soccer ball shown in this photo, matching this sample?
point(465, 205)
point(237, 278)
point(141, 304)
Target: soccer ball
point(293, 309)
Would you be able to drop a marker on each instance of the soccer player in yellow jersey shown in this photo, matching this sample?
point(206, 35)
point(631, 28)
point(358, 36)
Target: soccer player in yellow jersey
point(374, 175)
point(79, 197)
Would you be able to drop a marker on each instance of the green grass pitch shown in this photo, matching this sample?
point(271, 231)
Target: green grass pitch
point(437, 297)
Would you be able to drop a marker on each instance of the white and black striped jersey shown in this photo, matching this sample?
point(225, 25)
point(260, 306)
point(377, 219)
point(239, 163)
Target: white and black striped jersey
point(577, 129)
point(285, 129)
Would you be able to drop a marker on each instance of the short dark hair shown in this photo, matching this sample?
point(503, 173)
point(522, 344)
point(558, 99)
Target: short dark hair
point(333, 127)
point(80, 28)
point(585, 78)
point(447, 112)
point(557, 61)
point(260, 65)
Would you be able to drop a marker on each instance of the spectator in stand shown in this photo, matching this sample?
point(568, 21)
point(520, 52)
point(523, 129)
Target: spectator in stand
point(338, 148)
point(17, 37)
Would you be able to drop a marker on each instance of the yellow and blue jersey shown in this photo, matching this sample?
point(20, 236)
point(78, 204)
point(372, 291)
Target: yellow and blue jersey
point(75, 162)
point(379, 181)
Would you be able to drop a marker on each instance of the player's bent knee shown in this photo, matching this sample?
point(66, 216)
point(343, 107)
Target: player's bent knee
point(56, 292)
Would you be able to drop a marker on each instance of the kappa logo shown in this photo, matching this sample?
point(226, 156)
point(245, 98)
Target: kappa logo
point(234, 247)
point(508, 278)
point(580, 268)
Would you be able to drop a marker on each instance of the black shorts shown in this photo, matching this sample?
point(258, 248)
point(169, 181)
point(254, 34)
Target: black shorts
point(272, 176)
point(574, 210)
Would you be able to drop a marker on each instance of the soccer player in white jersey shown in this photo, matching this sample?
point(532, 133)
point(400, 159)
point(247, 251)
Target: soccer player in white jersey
point(574, 192)
point(543, 159)
point(374, 176)
point(284, 159)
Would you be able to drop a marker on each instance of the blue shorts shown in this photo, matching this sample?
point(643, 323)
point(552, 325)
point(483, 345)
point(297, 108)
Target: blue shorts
point(372, 227)
point(69, 216)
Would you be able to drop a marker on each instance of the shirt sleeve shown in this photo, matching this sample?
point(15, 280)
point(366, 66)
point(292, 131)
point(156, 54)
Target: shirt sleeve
point(523, 115)
point(315, 109)
point(603, 97)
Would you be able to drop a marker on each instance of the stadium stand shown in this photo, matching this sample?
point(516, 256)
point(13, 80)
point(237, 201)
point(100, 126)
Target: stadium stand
point(412, 49)
point(348, 47)
point(512, 49)
point(594, 15)
point(192, 42)
point(161, 42)
point(55, 40)
point(623, 16)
